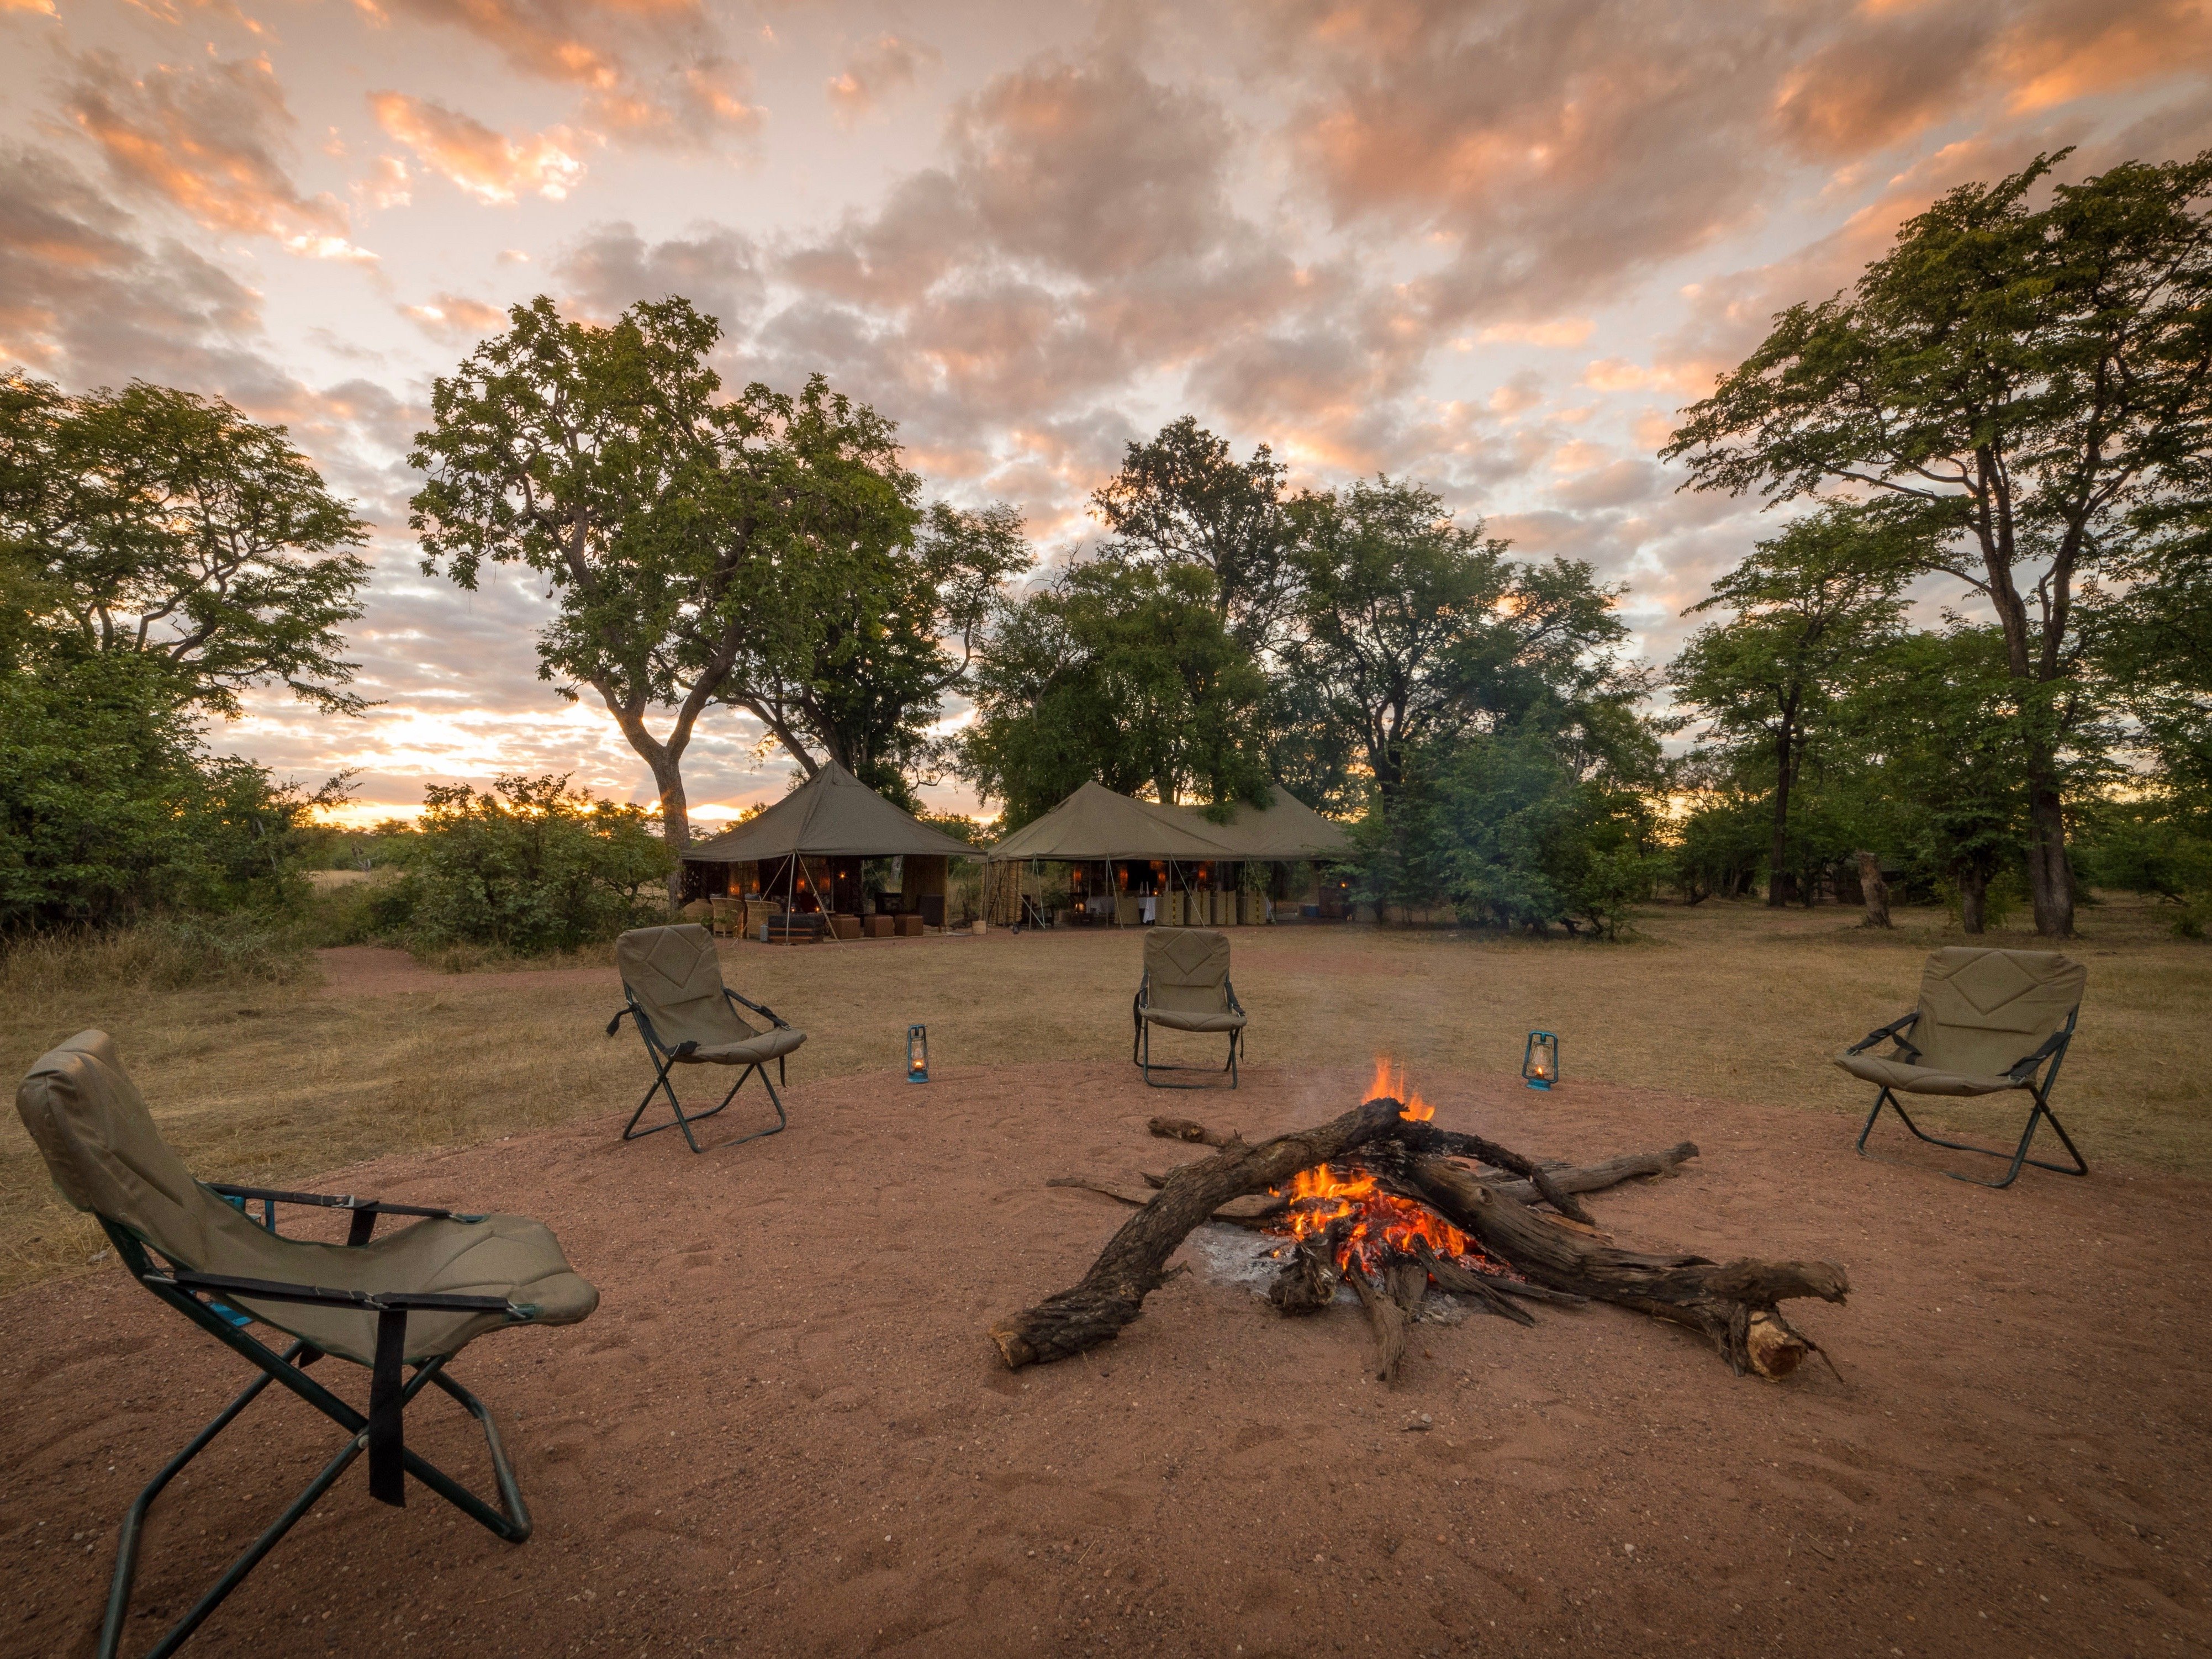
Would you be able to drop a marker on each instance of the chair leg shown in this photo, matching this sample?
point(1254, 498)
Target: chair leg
point(289, 1367)
point(631, 1132)
point(1141, 1056)
point(2018, 1156)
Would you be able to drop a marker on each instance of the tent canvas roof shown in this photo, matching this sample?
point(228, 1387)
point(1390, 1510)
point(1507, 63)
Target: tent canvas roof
point(1288, 828)
point(832, 815)
point(1094, 823)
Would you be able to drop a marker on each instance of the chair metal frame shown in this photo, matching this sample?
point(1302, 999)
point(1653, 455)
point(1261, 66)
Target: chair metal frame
point(379, 1433)
point(1140, 1045)
point(663, 1057)
point(2022, 1074)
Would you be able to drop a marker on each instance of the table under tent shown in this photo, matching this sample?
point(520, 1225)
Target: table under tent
point(833, 859)
point(1128, 863)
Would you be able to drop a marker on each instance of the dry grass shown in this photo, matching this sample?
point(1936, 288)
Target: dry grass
point(262, 1080)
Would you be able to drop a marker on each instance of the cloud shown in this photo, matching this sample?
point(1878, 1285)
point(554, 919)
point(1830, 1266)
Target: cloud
point(717, 269)
point(84, 299)
point(205, 140)
point(455, 319)
point(653, 69)
point(486, 165)
point(877, 70)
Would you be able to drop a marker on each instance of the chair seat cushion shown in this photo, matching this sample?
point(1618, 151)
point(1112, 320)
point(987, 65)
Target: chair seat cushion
point(1922, 1080)
point(1177, 1019)
point(504, 1256)
point(776, 1041)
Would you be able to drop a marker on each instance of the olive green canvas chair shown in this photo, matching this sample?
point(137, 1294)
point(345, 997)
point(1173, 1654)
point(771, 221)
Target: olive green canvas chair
point(415, 1297)
point(1988, 1023)
point(673, 988)
point(1186, 988)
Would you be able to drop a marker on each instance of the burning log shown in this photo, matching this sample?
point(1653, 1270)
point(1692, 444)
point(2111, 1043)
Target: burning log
point(1405, 1216)
point(1133, 1263)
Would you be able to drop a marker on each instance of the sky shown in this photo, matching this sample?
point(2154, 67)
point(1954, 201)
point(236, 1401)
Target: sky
point(1491, 246)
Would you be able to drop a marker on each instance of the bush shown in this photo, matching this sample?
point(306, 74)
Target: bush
point(527, 869)
point(1501, 829)
point(110, 809)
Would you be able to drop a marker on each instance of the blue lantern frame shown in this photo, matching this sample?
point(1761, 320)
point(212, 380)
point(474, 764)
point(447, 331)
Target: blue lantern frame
point(1549, 1041)
point(917, 1054)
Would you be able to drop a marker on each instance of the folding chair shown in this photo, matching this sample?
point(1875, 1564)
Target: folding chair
point(1989, 1020)
point(191, 1244)
point(1186, 988)
point(673, 985)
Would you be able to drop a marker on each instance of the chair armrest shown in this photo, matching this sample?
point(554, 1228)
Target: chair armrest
point(774, 1019)
point(272, 1290)
point(1229, 990)
point(2024, 1068)
point(1893, 1029)
point(343, 1201)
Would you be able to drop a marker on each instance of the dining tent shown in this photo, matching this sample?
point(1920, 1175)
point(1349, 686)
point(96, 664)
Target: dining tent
point(833, 816)
point(1094, 825)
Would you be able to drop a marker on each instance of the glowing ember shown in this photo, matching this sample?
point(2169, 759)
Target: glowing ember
point(1382, 1224)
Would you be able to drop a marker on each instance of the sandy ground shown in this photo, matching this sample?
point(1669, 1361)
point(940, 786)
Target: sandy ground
point(784, 1432)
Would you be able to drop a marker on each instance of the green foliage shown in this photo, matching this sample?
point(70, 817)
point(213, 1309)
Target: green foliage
point(110, 808)
point(1499, 828)
point(1412, 629)
point(1721, 845)
point(155, 522)
point(1180, 498)
point(1119, 672)
point(2149, 846)
point(528, 868)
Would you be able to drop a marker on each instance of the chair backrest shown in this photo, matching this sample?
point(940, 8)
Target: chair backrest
point(673, 974)
point(91, 1124)
point(1188, 969)
point(1982, 1009)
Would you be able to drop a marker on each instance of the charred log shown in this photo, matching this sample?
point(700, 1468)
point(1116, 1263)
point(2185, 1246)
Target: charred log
point(1734, 1304)
point(1131, 1265)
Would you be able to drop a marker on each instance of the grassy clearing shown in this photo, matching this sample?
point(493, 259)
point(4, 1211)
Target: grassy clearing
point(257, 1072)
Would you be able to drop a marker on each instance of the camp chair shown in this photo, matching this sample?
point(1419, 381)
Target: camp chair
point(191, 1244)
point(1186, 988)
point(673, 985)
point(1988, 1021)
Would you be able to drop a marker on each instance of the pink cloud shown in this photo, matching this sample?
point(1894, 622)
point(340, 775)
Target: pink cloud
point(484, 164)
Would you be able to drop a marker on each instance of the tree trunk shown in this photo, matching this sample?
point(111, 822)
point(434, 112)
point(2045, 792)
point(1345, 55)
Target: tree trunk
point(2049, 875)
point(1779, 885)
point(1973, 891)
point(1874, 890)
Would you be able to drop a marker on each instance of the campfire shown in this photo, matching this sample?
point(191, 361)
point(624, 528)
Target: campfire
point(1388, 1202)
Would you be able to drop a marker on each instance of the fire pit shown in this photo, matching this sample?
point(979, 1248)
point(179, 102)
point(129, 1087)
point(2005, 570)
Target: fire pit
point(1387, 1201)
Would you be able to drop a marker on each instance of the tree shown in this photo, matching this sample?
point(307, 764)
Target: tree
point(163, 523)
point(1415, 629)
point(1121, 672)
point(2030, 378)
point(1808, 606)
point(1936, 716)
point(869, 673)
point(1182, 499)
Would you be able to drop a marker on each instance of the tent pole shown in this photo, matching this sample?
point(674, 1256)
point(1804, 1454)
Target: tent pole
point(828, 919)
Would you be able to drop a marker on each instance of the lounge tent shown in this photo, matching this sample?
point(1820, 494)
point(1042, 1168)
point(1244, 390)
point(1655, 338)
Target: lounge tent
point(1095, 824)
point(833, 815)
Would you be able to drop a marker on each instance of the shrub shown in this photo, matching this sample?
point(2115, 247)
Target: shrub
point(528, 868)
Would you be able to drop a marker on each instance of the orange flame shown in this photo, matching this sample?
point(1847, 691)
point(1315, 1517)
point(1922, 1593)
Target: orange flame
point(1390, 1083)
point(1383, 1224)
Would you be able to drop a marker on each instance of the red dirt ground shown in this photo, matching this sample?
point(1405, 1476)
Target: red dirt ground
point(785, 1432)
